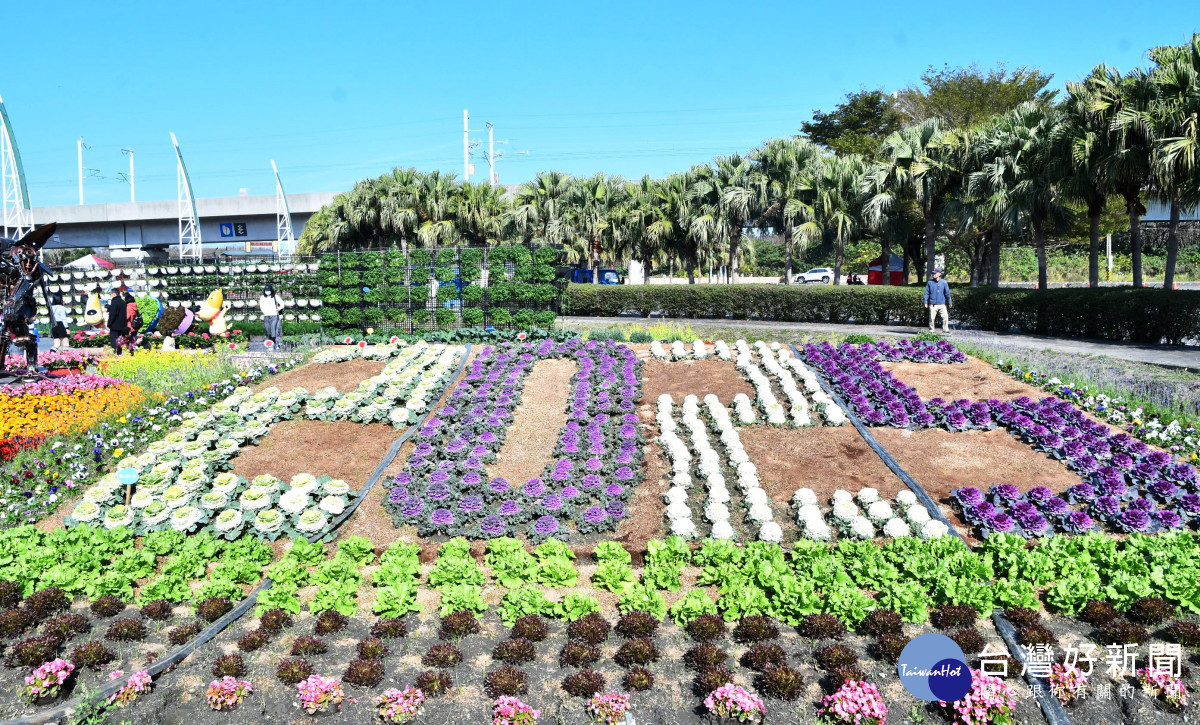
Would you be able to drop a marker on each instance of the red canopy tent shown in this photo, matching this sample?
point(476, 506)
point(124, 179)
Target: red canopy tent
point(90, 261)
point(875, 270)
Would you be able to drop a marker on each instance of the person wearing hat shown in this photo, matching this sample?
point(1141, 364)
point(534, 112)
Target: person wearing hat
point(937, 300)
point(270, 304)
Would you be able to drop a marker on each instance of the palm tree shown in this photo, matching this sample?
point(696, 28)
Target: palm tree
point(837, 207)
point(397, 212)
point(787, 164)
point(480, 213)
point(1175, 120)
point(538, 204)
point(589, 212)
point(435, 202)
point(1028, 163)
point(919, 162)
point(1122, 101)
point(1089, 137)
point(639, 212)
point(733, 191)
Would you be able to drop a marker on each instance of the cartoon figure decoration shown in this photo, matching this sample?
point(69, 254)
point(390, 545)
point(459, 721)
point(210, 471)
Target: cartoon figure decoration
point(93, 312)
point(218, 325)
point(211, 307)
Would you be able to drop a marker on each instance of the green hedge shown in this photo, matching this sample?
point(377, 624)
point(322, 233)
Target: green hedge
point(1145, 315)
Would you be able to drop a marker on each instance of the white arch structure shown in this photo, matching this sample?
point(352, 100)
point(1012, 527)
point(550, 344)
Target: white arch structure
point(18, 215)
point(189, 223)
point(285, 241)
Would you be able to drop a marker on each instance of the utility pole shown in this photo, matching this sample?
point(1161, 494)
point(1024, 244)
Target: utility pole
point(466, 148)
point(491, 156)
point(129, 153)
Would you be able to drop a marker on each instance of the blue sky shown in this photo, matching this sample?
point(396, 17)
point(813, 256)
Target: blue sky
point(338, 92)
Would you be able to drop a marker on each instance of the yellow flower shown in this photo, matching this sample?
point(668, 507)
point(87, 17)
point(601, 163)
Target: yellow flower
point(117, 452)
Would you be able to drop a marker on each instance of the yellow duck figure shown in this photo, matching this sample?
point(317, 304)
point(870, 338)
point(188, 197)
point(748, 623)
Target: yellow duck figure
point(93, 313)
point(211, 307)
point(217, 325)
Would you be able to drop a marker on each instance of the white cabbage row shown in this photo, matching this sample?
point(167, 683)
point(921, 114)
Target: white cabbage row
point(696, 350)
point(871, 516)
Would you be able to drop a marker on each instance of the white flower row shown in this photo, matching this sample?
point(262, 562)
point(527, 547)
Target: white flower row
point(696, 350)
point(399, 394)
point(830, 411)
point(342, 353)
point(866, 518)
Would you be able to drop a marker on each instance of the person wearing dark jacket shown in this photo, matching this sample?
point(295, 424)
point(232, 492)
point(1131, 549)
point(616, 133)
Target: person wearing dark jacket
point(937, 300)
point(118, 320)
point(134, 321)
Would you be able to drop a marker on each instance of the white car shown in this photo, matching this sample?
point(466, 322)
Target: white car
point(824, 275)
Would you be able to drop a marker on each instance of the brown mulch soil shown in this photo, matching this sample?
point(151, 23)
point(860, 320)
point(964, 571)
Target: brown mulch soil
point(345, 376)
point(973, 380)
point(697, 377)
point(342, 449)
point(529, 445)
point(823, 459)
point(941, 461)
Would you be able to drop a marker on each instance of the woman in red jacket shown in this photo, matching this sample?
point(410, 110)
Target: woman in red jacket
point(134, 321)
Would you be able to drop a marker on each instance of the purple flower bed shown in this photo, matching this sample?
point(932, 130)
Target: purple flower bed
point(921, 351)
point(444, 488)
point(879, 398)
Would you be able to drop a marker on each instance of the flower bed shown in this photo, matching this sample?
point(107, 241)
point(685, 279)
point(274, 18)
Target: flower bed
point(51, 407)
point(444, 488)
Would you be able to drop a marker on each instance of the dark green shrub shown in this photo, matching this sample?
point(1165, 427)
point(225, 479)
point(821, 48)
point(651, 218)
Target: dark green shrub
point(640, 337)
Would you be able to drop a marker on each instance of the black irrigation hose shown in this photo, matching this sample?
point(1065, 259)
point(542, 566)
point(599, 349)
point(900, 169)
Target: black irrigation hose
point(208, 633)
point(1053, 710)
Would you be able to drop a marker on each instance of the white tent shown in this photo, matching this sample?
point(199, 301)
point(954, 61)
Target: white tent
point(90, 261)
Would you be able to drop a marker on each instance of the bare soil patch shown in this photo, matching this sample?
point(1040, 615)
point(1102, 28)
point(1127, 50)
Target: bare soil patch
point(697, 377)
point(941, 461)
point(823, 459)
point(345, 376)
point(341, 449)
point(973, 380)
point(537, 421)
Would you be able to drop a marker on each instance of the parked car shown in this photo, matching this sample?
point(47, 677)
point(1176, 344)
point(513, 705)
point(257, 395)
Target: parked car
point(817, 274)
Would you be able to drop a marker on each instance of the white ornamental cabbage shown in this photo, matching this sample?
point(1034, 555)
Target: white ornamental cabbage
point(761, 512)
point(844, 511)
point(841, 495)
point(176, 496)
point(228, 520)
point(917, 516)
point(332, 505)
point(336, 487)
point(934, 530)
point(225, 482)
point(879, 512)
point(678, 510)
point(738, 456)
point(184, 518)
point(834, 415)
point(156, 513)
point(684, 528)
point(770, 532)
point(681, 480)
point(804, 497)
point(141, 499)
point(717, 495)
point(904, 499)
point(716, 512)
point(817, 531)
point(293, 501)
point(305, 482)
point(311, 521)
point(676, 494)
point(722, 530)
point(896, 528)
point(809, 513)
point(253, 499)
point(747, 481)
point(86, 511)
point(862, 528)
point(268, 521)
point(118, 515)
point(868, 496)
point(757, 496)
point(214, 500)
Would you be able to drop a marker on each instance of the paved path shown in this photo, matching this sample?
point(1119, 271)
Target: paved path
point(1181, 356)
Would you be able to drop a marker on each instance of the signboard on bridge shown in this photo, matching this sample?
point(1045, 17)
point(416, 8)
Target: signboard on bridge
point(233, 229)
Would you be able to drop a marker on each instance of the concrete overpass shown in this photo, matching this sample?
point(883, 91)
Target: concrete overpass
point(155, 224)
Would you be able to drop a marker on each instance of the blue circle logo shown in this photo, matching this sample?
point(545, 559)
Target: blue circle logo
point(932, 667)
point(127, 476)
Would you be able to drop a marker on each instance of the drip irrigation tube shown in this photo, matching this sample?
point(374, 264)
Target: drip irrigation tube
point(1051, 708)
point(208, 633)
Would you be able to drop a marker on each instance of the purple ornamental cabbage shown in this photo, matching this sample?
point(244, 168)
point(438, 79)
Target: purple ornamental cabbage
point(1189, 504)
point(1081, 493)
point(1142, 504)
point(594, 515)
point(969, 496)
point(470, 504)
point(398, 494)
point(1077, 522)
point(1005, 492)
point(492, 526)
point(1163, 489)
point(1054, 506)
point(615, 509)
point(999, 522)
point(590, 481)
point(412, 507)
point(441, 517)
point(1106, 506)
point(570, 492)
point(624, 473)
point(1133, 520)
point(1038, 494)
point(404, 478)
point(545, 526)
point(1169, 519)
point(437, 491)
point(509, 508)
point(534, 488)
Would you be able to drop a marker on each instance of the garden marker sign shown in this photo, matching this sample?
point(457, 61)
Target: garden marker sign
point(128, 477)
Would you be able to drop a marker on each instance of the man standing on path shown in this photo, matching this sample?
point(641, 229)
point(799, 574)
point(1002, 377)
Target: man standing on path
point(937, 299)
point(118, 320)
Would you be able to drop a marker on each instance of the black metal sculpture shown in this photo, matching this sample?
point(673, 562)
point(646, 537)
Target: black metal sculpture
point(21, 273)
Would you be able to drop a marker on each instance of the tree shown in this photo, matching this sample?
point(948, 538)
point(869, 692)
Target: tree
point(1026, 168)
point(480, 212)
point(1089, 139)
point(537, 205)
point(964, 96)
point(1174, 118)
point(589, 216)
point(1123, 101)
point(732, 193)
point(837, 207)
point(787, 164)
point(919, 162)
point(857, 125)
